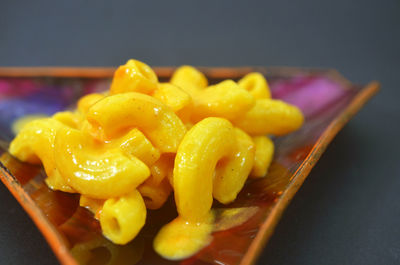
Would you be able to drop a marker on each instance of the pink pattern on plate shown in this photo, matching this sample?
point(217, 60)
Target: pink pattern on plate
point(311, 94)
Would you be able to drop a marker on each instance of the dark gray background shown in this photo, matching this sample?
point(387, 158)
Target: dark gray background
point(348, 210)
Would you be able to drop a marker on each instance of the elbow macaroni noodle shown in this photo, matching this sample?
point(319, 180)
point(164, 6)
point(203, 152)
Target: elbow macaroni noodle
point(129, 149)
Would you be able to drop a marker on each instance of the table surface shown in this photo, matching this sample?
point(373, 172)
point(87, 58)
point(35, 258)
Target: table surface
point(347, 211)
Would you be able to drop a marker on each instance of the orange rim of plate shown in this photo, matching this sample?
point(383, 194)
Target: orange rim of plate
point(268, 226)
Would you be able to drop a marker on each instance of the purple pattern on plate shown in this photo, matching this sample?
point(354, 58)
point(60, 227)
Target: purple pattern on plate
point(311, 94)
point(23, 96)
point(26, 96)
point(319, 96)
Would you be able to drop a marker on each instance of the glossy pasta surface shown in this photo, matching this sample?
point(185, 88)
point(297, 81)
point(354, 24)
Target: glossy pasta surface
point(128, 149)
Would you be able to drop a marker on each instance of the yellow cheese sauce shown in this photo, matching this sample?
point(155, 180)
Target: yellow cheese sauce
point(125, 151)
point(180, 238)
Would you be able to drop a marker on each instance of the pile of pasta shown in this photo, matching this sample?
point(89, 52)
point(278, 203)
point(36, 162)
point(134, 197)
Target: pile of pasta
point(127, 149)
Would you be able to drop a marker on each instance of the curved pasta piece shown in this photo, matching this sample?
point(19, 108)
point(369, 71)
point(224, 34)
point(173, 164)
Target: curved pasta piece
point(134, 76)
point(175, 98)
point(114, 115)
point(204, 145)
point(256, 84)
point(231, 176)
point(226, 100)
point(269, 116)
point(34, 144)
point(122, 218)
point(95, 171)
point(85, 102)
point(263, 156)
point(189, 79)
point(172, 96)
point(34, 139)
point(71, 119)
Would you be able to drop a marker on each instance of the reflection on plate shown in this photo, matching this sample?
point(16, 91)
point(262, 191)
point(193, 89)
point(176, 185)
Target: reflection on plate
point(327, 100)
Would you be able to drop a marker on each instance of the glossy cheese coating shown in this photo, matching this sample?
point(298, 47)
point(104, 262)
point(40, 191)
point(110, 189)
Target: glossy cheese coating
point(134, 76)
point(205, 144)
point(231, 174)
point(93, 170)
point(263, 156)
point(35, 144)
point(122, 218)
point(269, 116)
point(256, 84)
point(117, 114)
point(126, 150)
point(225, 99)
point(180, 238)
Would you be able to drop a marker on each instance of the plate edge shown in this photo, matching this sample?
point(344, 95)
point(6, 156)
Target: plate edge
point(45, 227)
point(254, 249)
point(268, 226)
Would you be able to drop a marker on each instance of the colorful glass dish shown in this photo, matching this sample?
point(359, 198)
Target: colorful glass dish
point(327, 100)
